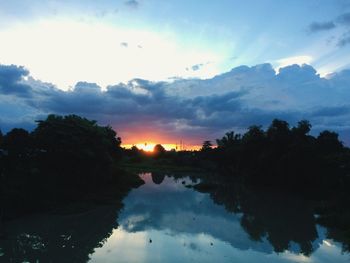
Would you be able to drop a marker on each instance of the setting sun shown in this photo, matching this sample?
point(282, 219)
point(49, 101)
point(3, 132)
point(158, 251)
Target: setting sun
point(146, 146)
point(149, 146)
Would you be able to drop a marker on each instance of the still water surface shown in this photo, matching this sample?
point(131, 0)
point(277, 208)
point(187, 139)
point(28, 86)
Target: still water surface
point(166, 221)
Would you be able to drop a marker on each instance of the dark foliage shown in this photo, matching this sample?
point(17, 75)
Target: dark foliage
point(207, 146)
point(260, 169)
point(64, 159)
point(284, 156)
point(77, 147)
point(158, 150)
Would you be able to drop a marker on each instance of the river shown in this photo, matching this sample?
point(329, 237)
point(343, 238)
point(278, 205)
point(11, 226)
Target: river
point(166, 220)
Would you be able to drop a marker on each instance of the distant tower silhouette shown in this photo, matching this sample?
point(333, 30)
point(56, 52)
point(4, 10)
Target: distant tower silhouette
point(181, 146)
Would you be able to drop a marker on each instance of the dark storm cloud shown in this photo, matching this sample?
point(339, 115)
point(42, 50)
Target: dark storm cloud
point(321, 26)
point(193, 109)
point(334, 111)
point(342, 21)
point(11, 81)
point(132, 3)
point(229, 102)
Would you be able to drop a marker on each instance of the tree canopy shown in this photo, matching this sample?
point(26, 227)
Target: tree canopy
point(283, 155)
point(64, 157)
point(158, 150)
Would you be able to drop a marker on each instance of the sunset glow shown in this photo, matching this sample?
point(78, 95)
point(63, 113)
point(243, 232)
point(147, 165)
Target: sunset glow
point(148, 146)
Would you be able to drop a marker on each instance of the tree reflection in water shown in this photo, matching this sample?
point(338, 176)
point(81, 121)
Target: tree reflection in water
point(57, 238)
point(283, 219)
point(279, 218)
point(158, 178)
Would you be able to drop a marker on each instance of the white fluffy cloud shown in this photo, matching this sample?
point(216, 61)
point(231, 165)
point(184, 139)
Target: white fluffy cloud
point(64, 51)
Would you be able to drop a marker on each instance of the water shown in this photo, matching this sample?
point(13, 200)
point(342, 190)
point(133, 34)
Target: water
point(167, 221)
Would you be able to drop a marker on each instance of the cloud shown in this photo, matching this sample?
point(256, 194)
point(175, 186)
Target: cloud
point(342, 21)
point(197, 67)
point(344, 40)
point(332, 111)
point(11, 80)
point(132, 3)
point(299, 60)
point(124, 44)
point(189, 109)
point(321, 26)
point(97, 52)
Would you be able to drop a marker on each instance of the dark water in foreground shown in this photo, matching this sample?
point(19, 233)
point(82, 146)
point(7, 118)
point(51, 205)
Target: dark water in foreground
point(165, 221)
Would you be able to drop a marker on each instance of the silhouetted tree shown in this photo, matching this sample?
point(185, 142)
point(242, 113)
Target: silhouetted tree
point(63, 159)
point(207, 146)
point(278, 132)
point(229, 140)
point(134, 149)
point(328, 142)
point(228, 148)
point(158, 150)
point(254, 135)
point(1, 139)
point(302, 129)
point(283, 156)
point(17, 143)
point(79, 149)
point(1, 157)
point(1, 168)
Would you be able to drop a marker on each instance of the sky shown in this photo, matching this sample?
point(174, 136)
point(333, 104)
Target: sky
point(165, 71)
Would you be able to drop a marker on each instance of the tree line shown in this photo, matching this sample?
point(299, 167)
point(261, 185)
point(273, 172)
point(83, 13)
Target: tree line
point(64, 158)
point(69, 156)
point(282, 155)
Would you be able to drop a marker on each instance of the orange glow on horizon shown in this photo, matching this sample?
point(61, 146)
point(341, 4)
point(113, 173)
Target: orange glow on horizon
point(145, 137)
point(148, 146)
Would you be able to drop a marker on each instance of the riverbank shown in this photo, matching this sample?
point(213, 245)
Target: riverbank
point(154, 165)
point(68, 199)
